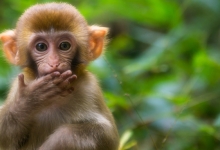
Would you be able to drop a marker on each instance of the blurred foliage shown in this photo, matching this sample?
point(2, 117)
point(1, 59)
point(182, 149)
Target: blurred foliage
point(160, 73)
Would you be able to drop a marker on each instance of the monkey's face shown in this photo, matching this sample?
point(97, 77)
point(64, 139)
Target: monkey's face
point(52, 51)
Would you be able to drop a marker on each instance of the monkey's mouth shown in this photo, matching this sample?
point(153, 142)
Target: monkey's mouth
point(47, 72)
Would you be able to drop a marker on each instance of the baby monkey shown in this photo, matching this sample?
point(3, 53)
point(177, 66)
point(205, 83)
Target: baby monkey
point(55, 103)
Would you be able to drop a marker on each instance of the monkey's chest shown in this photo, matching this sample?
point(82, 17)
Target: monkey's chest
point(49, 119)
point(45, 123)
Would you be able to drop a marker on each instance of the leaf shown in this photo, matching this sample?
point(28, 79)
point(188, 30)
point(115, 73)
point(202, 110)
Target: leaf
point(124, 144)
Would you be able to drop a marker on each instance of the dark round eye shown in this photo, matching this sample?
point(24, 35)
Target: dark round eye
point(41, 47)
point(64, 46)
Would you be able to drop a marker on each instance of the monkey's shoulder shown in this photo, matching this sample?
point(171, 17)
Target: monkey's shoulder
point(88, 82)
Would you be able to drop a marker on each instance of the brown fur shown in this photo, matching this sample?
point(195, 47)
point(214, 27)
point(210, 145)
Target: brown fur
point(46, 17)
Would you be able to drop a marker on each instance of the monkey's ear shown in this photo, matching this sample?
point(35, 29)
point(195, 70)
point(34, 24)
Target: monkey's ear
point(97, 41)
point(9, 45)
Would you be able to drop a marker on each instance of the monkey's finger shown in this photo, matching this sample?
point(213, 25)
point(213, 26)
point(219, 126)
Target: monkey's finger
point(67, 83)
point(46, 79)
point(62, 77)
point(66, 74)
point(44, 84)
point(72, 78)
point(21, 80)
point(55, 74)
point(56, 92)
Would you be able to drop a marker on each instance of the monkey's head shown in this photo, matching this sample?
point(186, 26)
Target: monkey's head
point(53, 37)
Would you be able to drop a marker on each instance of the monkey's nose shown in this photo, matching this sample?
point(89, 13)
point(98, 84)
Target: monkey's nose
point(54, 65)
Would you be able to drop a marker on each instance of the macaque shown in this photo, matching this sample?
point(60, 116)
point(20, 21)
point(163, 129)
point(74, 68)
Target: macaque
point(55, 103)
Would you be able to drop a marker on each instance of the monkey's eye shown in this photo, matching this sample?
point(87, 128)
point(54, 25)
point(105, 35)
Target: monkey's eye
point(41, 47)
point(64, 46)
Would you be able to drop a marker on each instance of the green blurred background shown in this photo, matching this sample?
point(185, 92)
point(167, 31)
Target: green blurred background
point(160, 73)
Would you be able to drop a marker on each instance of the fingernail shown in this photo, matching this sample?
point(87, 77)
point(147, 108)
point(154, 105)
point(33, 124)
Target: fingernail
point(57, 73)
point(75, 76)
point(69, 71)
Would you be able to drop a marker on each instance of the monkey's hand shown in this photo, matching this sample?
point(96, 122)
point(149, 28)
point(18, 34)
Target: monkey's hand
point(46, 88)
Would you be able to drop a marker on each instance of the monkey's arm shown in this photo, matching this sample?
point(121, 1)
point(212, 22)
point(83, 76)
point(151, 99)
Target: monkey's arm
point(14, 126)
point(24, 101)
point(14, 121)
